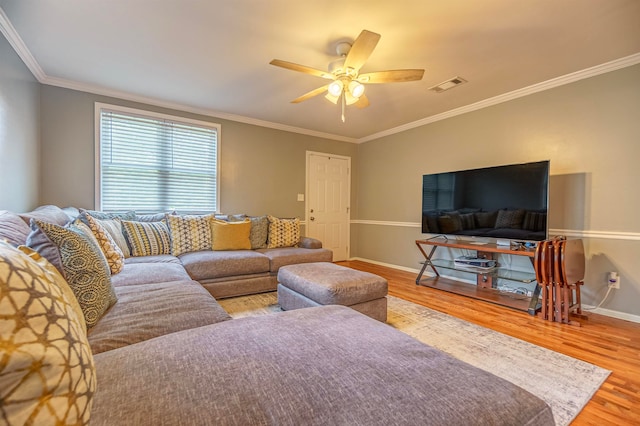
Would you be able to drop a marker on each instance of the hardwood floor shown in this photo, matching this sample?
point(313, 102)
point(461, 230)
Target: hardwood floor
point(607, 342)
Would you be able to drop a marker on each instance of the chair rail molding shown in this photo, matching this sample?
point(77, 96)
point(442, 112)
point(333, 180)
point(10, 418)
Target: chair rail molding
point(577, 233)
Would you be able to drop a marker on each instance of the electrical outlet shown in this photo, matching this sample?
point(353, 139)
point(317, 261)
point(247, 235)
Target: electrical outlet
point(613, 280)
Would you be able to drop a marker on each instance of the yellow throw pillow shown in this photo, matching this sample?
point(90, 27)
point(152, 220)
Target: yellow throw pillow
point(283, 232)
point(189, 233)
point(47, 373)
point(231, 235)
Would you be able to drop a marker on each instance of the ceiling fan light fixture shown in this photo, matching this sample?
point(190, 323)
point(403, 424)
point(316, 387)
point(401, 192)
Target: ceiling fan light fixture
point(336, 87)
point(356, 89)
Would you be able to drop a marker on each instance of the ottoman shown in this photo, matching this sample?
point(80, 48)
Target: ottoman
point(323, 283)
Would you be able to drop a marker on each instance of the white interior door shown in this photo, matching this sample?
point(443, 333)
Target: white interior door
point(328, 196)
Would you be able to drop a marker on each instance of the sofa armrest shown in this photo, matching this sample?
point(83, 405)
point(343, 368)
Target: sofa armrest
point(310, 243)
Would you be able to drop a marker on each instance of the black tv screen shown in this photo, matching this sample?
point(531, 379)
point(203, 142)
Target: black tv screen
point(503, 202)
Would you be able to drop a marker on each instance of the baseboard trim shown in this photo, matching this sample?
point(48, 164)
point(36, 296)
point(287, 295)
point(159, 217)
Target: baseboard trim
point(588, 308)
point(611, 313)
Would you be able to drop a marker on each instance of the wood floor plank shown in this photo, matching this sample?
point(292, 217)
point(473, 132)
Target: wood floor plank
point(606, 342)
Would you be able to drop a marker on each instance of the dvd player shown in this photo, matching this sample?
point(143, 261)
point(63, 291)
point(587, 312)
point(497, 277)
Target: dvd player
point(475, 261)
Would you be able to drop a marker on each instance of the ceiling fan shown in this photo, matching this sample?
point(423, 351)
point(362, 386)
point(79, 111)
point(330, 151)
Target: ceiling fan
point(347, 83)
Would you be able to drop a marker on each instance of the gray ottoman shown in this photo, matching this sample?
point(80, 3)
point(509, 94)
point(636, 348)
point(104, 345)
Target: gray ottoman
point(315, 284)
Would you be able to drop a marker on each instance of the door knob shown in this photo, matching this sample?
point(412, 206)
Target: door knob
point(312, 218)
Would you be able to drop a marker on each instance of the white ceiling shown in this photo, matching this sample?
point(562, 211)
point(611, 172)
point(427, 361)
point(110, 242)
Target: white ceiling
point(213, 56)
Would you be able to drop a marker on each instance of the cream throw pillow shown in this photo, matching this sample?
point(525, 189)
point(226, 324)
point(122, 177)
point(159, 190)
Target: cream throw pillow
point(189, 233)
point(47, 374)
point(231, 235)
point(283, 232)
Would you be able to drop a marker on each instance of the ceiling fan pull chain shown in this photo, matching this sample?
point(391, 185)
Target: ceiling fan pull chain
point(344, 101)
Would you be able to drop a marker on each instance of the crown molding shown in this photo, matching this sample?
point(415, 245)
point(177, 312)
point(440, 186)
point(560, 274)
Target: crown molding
point(97, 90)
point(10, 33)
point(616, 64)
point(14, 39)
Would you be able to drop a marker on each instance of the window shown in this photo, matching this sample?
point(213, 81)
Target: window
point(151, 162)
point(437, 191)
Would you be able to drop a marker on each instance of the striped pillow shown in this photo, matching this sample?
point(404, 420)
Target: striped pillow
point(147, 238)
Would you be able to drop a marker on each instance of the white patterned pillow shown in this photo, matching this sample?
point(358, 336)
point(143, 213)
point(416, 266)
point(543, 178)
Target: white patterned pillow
point(147, 238)
point(83, 266)
point(47, 374)
point(189, 233)
point(115, 257)
point(283, 232)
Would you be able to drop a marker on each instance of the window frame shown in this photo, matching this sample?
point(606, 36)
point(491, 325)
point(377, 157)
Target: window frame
point(100, 107)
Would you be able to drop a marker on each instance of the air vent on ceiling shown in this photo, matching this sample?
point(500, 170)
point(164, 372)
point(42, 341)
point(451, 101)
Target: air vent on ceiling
point(449, 84)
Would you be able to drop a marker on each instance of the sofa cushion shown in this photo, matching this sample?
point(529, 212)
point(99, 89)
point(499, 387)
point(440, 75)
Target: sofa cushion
point(283, 232)
point(49, 214)
point(149, 273)
point(147, 238)
point(151, 310)
point(207, 264)
point(279, 257)
point(160, 258)
point(13, 228)
point(189, 233)
point(83, 266)
point(231, 235)
point(328, 365)
point(47, 374)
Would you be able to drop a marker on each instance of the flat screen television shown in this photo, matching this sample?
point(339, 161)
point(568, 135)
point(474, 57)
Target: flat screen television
point(502, 202)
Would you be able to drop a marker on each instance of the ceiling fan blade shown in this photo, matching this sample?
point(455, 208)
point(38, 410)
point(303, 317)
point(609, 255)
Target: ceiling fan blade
point(363, 102)
point(310, 94)
point(361, 49)
point(332, 98)
point(302, 68)
point(391, 76)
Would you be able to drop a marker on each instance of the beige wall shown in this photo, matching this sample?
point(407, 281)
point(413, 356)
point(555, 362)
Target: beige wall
point(588, 129)
point(261, 170)
point(19, 132)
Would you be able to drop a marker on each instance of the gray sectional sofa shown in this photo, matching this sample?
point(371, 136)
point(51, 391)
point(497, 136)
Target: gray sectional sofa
point(167, 353)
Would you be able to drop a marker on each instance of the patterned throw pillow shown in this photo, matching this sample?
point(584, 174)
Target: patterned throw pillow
point(114, 228)
point(54, 275)
point(147, 238)
point(130, 215)
point(510, 219)
point(189, 233)
point(84, 267)
point(115, 257)
point(47, 374)
point(259, 232)
point(283, 232)
point(231, 235)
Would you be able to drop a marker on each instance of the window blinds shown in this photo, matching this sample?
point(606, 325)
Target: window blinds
point(150, 164)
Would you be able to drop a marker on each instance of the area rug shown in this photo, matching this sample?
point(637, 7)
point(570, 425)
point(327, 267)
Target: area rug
point(565, 383)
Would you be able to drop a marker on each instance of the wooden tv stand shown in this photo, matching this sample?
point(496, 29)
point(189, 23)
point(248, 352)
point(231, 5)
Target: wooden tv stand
point(486, 279)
